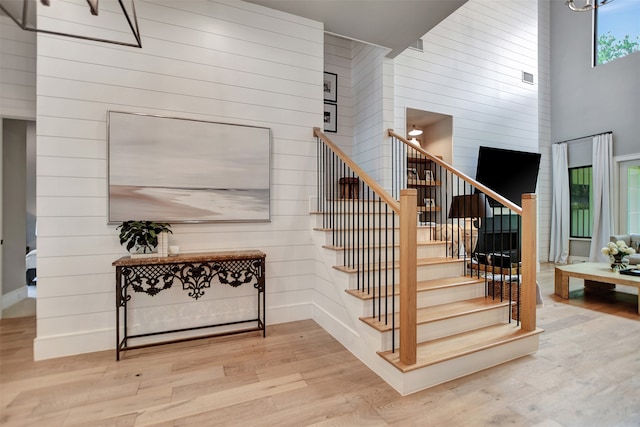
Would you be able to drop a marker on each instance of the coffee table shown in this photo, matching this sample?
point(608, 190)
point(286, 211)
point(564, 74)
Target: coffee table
point(594, 272)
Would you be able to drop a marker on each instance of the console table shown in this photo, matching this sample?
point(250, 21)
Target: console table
point(194, 273)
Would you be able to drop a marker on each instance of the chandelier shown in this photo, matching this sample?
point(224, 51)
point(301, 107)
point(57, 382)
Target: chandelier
point(116, 23)
point(588, 5)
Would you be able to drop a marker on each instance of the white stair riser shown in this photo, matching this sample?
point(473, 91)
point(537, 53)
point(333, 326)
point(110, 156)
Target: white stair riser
point(356, 220)
point(431, 297)
point(375, 237)
point(439, 373)
point(424, 272)
point(455, 325)
point(387, 253)
point(351, 205)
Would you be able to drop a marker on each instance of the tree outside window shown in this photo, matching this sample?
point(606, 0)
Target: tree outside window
point(617, 30)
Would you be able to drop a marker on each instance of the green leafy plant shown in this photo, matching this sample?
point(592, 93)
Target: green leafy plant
point(143, 234)
point(610, 48)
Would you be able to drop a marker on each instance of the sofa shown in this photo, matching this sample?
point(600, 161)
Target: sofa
point(633, 241)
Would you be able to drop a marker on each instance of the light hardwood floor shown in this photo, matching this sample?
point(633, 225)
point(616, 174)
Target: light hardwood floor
point(586, 373)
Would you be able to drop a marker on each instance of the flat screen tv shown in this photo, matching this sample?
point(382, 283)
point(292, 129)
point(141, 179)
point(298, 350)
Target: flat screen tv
point(507, 172)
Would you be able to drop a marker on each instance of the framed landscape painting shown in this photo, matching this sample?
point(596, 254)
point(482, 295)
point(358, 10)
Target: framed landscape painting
point(183, 170)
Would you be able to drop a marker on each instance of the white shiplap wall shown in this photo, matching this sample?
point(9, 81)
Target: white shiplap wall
point(17, 71)
point(225, 61)
point(471, 69)
point(337, 59)
point(545, 184)
point(368, 89)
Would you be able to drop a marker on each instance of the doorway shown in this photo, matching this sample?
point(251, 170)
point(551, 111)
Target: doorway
point(629, 193)
point(18, 216)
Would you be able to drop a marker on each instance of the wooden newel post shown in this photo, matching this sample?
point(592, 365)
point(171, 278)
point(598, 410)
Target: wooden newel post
point(529, 257)
point(408, 275)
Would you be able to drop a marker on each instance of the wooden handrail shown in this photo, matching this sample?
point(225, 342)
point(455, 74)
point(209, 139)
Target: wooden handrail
point(381, 192)
point(486, 190)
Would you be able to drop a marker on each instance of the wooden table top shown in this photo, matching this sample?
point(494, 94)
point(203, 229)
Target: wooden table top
point(190, 257)
point(599, 271)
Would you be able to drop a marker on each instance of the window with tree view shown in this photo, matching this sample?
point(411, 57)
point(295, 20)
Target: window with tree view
point(617, 27)
point(580, 199)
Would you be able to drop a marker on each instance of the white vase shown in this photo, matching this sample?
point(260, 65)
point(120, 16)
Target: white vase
point(163, 244)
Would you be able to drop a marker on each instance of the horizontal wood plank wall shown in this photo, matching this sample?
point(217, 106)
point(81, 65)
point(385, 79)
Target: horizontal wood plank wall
point(471, 69)
point(337, 59)
point(225, 61)
point(543, 83)
point(369, 112)
point(17, 71)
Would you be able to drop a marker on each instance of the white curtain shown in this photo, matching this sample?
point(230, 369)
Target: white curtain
point(602, 195)
point(559, 248)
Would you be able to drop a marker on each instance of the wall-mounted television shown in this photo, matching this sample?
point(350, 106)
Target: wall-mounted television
point(509, 173)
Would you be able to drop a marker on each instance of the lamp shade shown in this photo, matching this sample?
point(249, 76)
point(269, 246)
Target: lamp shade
point(470, 206)
point(415, 131)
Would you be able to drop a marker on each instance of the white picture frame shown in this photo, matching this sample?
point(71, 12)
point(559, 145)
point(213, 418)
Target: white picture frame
point(428, 175)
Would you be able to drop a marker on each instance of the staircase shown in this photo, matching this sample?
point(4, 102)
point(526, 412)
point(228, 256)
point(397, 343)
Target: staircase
point(459, 330)
point(459, 327)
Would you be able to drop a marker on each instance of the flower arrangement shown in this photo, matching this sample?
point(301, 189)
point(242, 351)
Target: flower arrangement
point(617, 252)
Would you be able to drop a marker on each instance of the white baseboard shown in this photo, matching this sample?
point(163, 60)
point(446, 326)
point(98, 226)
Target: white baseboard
point(14, 297)
point(105, 339)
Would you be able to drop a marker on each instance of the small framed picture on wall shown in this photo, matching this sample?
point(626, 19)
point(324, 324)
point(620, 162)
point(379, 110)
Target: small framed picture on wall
point(330, 87)
point(330, 117)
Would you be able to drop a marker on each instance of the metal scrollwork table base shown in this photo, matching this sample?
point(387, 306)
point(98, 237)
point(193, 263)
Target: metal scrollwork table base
point(194, 272)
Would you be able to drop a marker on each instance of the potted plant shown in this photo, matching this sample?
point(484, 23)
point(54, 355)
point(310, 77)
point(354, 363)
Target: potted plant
point(141, 237)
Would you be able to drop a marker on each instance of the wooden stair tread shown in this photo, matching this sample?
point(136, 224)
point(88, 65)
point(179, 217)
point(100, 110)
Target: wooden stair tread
point(443, 349)
point(440, 312)
point(422, 286)
point(420, 262)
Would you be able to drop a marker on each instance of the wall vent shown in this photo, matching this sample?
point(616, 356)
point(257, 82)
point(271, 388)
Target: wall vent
point(527, 77)
point(417, 45)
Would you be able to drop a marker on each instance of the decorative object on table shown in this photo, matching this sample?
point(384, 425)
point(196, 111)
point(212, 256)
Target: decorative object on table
point(163, 244)
point(141, 237)
point(412, 174)
point(330, 87)
point(330, 117)
point(183, 170)
point(618, 253)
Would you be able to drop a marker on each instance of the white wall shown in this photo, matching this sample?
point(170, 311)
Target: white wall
point(590, 100)
point(14, 204)
point(368, 91)
point(224, 61)
point(543, 84)
point(337, 59)
point(17, 71)
point(471, 69)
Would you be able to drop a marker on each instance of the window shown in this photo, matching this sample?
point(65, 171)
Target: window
point(580, 200)
point(617, 30)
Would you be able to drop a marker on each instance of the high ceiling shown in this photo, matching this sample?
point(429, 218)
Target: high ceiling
point(394, 24)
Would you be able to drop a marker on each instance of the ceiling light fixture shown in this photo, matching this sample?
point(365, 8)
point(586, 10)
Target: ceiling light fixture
point(588, 5)
point(415, 131)
point(88, 26)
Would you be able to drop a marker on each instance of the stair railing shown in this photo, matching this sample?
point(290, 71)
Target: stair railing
point(374, 235)
point(495, 237)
